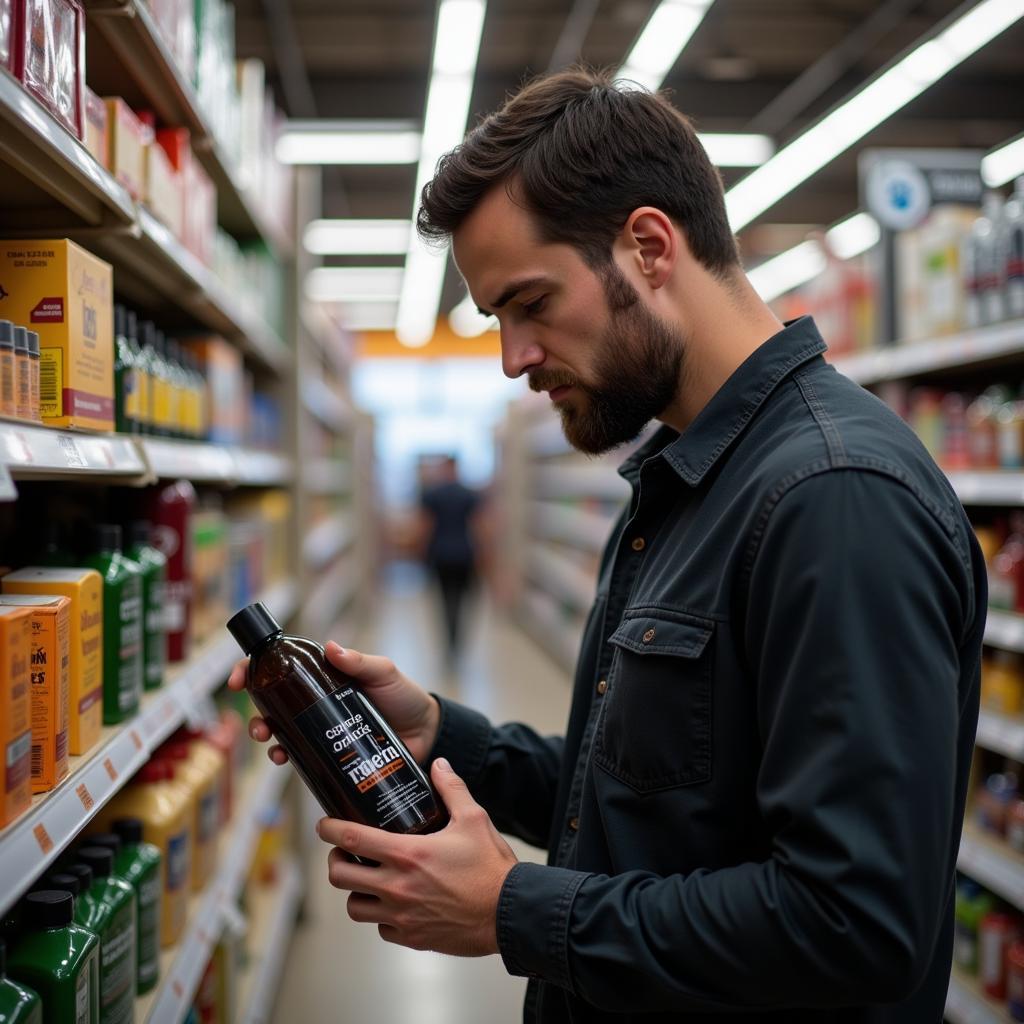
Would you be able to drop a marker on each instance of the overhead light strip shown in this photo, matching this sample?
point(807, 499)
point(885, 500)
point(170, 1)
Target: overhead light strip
point(352, 284)
point(453, 67)
point(1004, 163)
point(887, 93)
point(362, 141)
point(357, 237)
point(662, 40)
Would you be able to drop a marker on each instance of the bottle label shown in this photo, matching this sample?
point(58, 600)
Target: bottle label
point(117, 969)
point(129, 689)
point(351, 742)
point(177, 862)
point(83, 998)
point(149, 929)
point(132, 395)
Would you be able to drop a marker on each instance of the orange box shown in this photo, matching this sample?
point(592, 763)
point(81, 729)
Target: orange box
point(126, 153)
point(51, 684)
point(84, 589)
point(15, 714)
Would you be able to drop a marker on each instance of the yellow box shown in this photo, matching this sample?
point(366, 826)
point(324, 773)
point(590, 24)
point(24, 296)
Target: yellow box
point(66, 294)
point(51, 684)
point(15, 714)
point(84, 588)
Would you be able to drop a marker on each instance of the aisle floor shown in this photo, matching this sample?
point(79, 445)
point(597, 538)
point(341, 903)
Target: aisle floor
point(338, 972)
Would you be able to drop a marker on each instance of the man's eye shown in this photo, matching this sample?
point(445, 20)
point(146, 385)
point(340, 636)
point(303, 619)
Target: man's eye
point(532, 308)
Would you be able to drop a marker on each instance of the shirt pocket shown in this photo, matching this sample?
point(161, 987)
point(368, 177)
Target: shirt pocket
point(655, 728)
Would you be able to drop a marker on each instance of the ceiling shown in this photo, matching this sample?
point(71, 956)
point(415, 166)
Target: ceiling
point(752, 65)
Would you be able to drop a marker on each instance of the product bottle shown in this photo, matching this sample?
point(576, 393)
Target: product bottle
point(996, 933)
point(202, 410)
point(58, 958)
point(1013, 251)
point(171, 514)
point(126, 385)
point(972, 904)
point(347, 755)
point(8, 401)
point(180, 388)
point(122, 625)
point(983, 267)
point(204, 797)
point(153, 563)
point(1015, 980)
point(22, 375)
point(108, 909)
point(226, 736)
point(161, 387)
point(35, 414)
point(18, 1003)
point(147, 361)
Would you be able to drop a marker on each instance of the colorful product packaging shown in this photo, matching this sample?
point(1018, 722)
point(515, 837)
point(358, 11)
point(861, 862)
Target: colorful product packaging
point(163, 193)
point(84, 589)
point(221, 365)
point(63, 292)
point(126, 151)
point(51, 684)
point(15, 713)
point(96, 135)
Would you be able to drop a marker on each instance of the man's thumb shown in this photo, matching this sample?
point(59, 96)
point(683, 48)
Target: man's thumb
point(453, 790)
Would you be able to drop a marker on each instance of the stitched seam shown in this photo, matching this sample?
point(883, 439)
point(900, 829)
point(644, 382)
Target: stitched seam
point(561, 951)
point(833, 440)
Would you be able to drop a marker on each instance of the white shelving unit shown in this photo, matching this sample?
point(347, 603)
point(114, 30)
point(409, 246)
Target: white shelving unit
point(327, 541)
point(577, 526)
point(560, 576)
point(580, 480)
point(996, 487)
point(967, 1004)
point(1005, 630)
point(328, 477)
point(994, 864)
point(1001, 733)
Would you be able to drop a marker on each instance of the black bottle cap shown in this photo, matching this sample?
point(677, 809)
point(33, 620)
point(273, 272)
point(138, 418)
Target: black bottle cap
point(49, 908)
point(20, 339)
point(83, 873)
point(107, 537)
point(106, 840)
point(139, 532)
point(6, 334)
point(119, 321)
point(99, 858)
point(252, 625)
point(33, 344)
point(129, 830)
point(64, 880)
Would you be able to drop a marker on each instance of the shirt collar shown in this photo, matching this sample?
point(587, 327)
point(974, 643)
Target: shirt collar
point(692, 453)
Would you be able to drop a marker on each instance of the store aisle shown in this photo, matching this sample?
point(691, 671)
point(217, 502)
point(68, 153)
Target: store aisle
point(338, 971)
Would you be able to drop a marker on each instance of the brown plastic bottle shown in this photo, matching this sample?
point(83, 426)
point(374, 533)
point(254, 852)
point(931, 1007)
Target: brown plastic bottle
point(349, 757)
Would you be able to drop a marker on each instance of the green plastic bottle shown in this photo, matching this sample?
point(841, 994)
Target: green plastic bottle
point(18, 1003)
point(153, 563)
point(122, 625)
point(138, 863)
point(58, 958)
point(108, 909)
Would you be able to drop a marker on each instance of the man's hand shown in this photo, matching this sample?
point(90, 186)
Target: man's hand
point(438, 891)
point(405, 706)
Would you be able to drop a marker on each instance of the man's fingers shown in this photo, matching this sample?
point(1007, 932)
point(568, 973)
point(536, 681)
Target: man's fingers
point(342, 873)
point(277, 755)
point(259, 730)
point(364, 908)
point(236, 681)
point(367, 668)
point(362, 840)
point(454, 792)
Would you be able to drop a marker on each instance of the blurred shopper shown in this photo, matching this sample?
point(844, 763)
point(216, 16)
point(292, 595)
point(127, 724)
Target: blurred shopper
point(755, 811)
point(449, 509)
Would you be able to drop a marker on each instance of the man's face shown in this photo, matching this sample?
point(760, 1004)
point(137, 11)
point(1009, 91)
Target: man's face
point(609, 364)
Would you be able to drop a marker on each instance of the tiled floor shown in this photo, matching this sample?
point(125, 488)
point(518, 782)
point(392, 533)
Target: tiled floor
point(339, 972)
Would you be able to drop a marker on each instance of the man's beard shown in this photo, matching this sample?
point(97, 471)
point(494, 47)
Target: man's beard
point(637, 371)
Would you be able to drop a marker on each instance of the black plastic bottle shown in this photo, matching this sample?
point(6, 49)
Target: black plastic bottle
point(348, 756)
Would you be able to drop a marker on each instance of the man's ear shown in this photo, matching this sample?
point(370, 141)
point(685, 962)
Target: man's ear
point(652, 241)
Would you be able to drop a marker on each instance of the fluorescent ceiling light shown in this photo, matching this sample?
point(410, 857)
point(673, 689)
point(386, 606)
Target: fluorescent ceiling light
point(456, 47)
point(736, 149)
point(788, 270)
point(369, 316)
point(357, 237)
point(467, 322)
point(353, 284)
point(662, 40)
point(348, 142)
point(853, 236)
point(1004, 164)
point(893, 89)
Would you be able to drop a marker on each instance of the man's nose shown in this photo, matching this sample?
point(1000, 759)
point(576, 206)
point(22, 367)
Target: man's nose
point(519, 351)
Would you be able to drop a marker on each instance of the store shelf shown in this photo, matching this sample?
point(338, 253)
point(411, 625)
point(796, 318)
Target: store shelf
point(988, 488)
point(580, 527)
point(326, 541)
point(992, 863)
point(213, 463)
point(1005, 630)
point(43, 453)
point(958, 350)
point(582, 480)
point(967, 1004)
point(35, 145)
point(326, 405)
point(30, 844)
point(560, 576)
point(272, 918)
point(326, 477)
point(1003, 734)
point(185, 965)
point(262, 469)
point(548, 438)
point(546, 624)
point(330, 597)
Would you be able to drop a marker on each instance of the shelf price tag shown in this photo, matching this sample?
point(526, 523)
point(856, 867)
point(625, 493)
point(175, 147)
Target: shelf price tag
point(42, 838)
point(85, 796)
point(111, 770)
point(73, 457)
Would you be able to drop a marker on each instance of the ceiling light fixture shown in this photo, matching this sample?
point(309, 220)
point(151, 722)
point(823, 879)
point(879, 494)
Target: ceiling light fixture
point(369, 316)
point(352, 284)
point(853, 236)
point(736, 149)
point(882, 97)
point(349, 142)
point(453, 66)
point(357, 237)
point(662, 40)
point(468, 322)
point(1004, 164)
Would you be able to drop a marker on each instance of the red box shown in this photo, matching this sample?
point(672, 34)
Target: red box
point(49, 57)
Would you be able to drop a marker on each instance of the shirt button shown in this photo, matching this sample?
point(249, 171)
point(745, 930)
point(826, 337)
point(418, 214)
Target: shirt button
point(602, 686)
point(574, 824)
point(638, 543)
point(648, 636)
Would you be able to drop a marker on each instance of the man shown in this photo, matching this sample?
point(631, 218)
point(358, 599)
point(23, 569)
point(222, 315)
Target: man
point(755, 811)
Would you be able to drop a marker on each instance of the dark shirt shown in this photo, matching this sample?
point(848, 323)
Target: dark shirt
point(450, 506)
point(756, 809)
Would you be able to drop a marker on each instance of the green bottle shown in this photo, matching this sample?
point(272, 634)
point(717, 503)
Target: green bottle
point(108, 909)
point(122, 625)
point(138, 863)
point(127, 393)
point(153, 563)
point(58, 958)
point(18, 1003)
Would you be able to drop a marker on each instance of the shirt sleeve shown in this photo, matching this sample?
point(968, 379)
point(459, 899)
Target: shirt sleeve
point(858, 602)
point(511, 770)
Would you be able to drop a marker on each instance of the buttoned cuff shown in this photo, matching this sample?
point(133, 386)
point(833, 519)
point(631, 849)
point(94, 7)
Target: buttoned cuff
point(464, 737)
point(533, 921)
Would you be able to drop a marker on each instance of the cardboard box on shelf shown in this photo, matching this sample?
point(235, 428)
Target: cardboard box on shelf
point(163, 192)
point(57, 288)
point(96, 138)
point(15, 713)
point(126, 149)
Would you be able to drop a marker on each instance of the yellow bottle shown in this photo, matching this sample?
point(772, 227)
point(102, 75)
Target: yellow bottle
point(200, 767)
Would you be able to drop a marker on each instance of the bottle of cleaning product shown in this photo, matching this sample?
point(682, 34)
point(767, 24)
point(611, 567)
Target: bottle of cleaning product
point(171, 514)
point(122, 624)
point(18, 1003)
point(108, 909)
point(153, 563)
point(58, 958)
point(982, 266)
point(126, 385)
point(1013, 252)
point(162, 386)
point(144, 333)
point(348, 756)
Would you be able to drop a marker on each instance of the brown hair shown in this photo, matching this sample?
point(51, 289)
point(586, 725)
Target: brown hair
point(581, 152)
